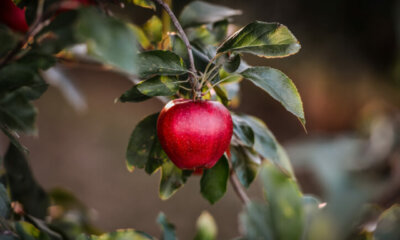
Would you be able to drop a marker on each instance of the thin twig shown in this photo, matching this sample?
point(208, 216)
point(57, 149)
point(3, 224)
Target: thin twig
point(37, 25)
point(238, 188)
point(196, 87)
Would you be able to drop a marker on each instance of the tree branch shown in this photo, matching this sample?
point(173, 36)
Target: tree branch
point(39, 23)
point(193, 81)
point(238, 188)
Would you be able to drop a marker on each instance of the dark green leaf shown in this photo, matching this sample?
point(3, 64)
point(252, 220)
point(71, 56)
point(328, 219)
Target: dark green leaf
point(214, 180)
point(266, 144)
point(8, 40)
point(206, 227)
point(157, 157)
point(178, 47)
point(160, 62)
point(155, 86)
point(133, 95)
point(172, 178)
point(285, 202)
point(233, 63)
point(243, 131)
point(144, 3)
point(17, 113)
point(278, 86)
point(159, 86)
point(199, 12)
point(222, 95)
point(263, 39)
point(257, 223)
point(108, 39)
point(153, 29)
point(4, 202)
point(220, 30)
point(141, 36)
point(23, 186)
point(27, 231)
point(245, 163)
point(311, 211)
point(141, 142)
point(37, 60)
point(201, 35)
point(388, 224)
point(16, 76)
point(167, 227)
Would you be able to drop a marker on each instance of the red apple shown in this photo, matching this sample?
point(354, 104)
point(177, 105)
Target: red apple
point(13, 16)
point(194, 134)
point(67, 5)
point(198, 171)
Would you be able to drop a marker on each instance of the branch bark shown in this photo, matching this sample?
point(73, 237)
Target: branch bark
point(193, 81)
point(238, 188)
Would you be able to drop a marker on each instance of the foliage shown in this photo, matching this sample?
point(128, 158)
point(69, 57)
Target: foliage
point(162, 66)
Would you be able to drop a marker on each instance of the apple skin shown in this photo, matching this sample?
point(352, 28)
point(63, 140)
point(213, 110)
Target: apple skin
point(13, 16)
point(194, 134)
point(67, 5)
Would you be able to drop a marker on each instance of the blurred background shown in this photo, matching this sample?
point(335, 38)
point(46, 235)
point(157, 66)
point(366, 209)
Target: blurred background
point(347, 72)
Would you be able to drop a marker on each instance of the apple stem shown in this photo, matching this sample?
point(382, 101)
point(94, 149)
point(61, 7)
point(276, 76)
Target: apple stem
point(196, 87)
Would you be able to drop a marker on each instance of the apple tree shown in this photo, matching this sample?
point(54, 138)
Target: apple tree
point(194, 63)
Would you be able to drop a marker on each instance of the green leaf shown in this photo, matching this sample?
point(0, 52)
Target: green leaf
point(144, 3)
point(278, 86)
point(155, 86)
point(108, 39)
point(4, 202)
point(201, 35)
point(159, 86)
point(214, 180)
point(153, 29)
point(285, 203)
point(263, 39)
point(256, 222)
point(157, 157)
point(122, 234)
point(172, 178)
point(311, 211)
point(233, 63)
point(160, 62)
point(141, 142)
point(17, 113)
point(220, 30)
point(23, 186)
point(242, 130)
point(245, 163)
point(133, 95)
point(221, 93)
point(206, 227)
point(167, 227)
point(36, 59)
point(178, 47)
point(27, 231)
point(388, 224)
point(141, 36)
point(199, 12)
point(16, 76)
point(266, 144)
point(8, 40)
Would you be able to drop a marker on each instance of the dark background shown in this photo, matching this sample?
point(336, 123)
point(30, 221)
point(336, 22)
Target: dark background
point(349, 60)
